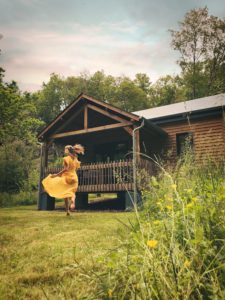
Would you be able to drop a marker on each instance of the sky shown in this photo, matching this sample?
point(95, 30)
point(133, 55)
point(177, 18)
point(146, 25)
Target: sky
point(70, 37)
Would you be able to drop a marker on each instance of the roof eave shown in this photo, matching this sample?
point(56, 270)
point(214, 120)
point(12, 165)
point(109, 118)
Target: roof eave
point(155, 128)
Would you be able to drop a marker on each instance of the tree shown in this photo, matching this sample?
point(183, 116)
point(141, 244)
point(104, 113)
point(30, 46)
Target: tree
point(166, 90)
point(17, 114)
point(143, 82)
point(56, 94)
point(73, 86)
point(129, 96)
point(51, 100)
point(201, 43)
point(18, 128)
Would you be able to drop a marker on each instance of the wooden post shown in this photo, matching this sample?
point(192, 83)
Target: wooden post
point(85, 117)
point(136, 156)
point(45, 156)
point(137, 146)
point(40, 178)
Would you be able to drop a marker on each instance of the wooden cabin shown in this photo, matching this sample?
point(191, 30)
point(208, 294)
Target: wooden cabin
point(200, 120)
point(110, 135)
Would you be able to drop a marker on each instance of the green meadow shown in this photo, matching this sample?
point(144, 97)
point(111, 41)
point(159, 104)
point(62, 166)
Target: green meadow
point(46, 255)
point(172, 247)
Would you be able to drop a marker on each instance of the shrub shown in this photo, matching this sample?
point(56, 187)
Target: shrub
point(21, 198)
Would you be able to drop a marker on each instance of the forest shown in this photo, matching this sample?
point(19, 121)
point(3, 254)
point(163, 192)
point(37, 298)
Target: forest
point(200, 41)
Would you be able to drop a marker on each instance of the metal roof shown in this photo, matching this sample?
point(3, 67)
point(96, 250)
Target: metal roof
point(183, 107)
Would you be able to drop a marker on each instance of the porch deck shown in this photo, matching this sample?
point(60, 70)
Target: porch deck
point(109, 177)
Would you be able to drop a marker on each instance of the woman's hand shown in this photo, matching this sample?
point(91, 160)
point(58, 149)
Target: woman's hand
point(53, 175)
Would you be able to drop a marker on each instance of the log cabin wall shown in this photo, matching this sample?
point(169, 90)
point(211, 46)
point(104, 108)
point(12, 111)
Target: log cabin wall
point(208, 137)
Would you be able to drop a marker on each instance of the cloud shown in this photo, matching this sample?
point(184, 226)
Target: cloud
point(40, 37)
point(30, 55)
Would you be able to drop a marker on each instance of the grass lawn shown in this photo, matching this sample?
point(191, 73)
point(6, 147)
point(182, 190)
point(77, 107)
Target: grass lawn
point(46, 255)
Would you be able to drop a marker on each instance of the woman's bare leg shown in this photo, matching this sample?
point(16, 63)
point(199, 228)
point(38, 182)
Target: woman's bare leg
point(67, 206)
point(73, 201)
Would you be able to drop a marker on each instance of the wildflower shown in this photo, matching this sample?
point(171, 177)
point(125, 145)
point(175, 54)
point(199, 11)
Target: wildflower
point(169, 207)
point(194, 199)
point(156, 222)
point(190, 205)
point(174, 186)
point(110, 292)
point(187, 263)
point(152, 243)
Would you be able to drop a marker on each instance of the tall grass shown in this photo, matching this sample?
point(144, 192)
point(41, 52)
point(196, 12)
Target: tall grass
point(175, 249)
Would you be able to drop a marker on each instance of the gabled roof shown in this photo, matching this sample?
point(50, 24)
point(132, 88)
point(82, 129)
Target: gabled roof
point(72, 106)
point(200, 104)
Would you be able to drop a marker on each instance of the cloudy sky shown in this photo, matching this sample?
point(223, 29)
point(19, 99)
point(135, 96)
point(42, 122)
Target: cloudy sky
point(121, 37)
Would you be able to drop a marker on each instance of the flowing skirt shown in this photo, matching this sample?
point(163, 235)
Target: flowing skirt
point(63, 186)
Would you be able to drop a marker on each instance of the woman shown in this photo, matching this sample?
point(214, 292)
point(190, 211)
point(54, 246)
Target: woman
point(65, 183)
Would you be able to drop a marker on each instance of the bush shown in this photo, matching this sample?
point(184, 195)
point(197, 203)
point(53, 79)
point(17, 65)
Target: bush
point(18, 167)
point(21, 198)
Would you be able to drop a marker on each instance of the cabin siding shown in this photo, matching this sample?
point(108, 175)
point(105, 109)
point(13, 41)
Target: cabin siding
point(208, 137)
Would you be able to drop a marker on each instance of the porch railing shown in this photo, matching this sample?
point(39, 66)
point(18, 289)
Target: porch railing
point(112, 176)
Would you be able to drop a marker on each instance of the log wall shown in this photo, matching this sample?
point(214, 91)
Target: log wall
point(208, 137)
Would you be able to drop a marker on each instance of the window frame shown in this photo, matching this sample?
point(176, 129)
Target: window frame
point(181, 138)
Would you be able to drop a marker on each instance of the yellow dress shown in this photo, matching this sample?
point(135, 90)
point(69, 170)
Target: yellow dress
point(65, 185)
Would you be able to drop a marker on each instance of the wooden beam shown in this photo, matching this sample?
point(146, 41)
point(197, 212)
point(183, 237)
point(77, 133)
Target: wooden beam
point(112, 108)
point(106, 113)
point(45, 156)
point(137, 146)
point(83, 96)
point(86, 117)
point(69, 119)
point(128, 130)
point(89, 130)
point(60, 116)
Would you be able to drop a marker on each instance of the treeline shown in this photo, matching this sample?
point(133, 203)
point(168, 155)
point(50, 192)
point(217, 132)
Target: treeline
point(201, 43)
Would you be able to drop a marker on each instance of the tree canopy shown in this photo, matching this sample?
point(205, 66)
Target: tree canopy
point(201, 43)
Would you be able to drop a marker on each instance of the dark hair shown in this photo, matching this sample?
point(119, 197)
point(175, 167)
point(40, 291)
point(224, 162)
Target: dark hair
point(76, 149)
point(71, 150)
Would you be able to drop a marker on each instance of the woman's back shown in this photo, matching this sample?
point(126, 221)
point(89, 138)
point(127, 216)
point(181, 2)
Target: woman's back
point(72, 164)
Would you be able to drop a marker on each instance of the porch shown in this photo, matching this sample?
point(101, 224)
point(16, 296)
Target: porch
point(114, 176)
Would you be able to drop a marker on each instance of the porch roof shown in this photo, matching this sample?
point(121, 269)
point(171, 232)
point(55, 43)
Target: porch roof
point(118, 115)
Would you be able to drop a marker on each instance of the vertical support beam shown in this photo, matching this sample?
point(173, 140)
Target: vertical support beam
point(85, 117)
point(40, 178)
point(135, 150)
point(137, 145)
point(45, 155)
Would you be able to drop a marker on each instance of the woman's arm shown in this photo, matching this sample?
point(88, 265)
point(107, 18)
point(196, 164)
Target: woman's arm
point(66, 167)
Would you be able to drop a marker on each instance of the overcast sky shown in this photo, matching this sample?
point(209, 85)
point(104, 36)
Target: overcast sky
point(121, 37)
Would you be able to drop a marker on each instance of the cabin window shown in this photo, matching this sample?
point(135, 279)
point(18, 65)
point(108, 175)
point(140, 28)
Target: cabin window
point(184, 142)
